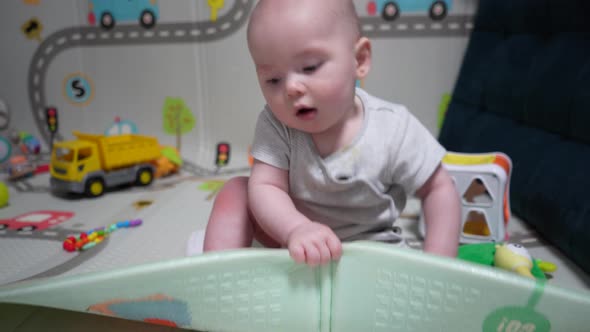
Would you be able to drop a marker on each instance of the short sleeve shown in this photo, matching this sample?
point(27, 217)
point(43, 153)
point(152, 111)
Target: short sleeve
point(418, 155)
point(271, 141)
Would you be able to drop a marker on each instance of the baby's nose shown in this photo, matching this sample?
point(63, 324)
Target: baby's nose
point(295, 87)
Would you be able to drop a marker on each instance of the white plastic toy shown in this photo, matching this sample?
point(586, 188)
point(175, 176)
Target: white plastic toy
point(483, 182)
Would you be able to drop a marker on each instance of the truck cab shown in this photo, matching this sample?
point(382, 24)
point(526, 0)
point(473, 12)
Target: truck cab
point(73, 160)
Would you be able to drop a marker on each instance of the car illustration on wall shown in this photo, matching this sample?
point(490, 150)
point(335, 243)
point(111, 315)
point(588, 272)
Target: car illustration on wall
point(108, 12)
point(390, 10)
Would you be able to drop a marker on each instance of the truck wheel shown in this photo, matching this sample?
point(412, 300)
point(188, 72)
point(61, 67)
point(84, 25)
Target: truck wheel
point(145, 176)
point(94, 187)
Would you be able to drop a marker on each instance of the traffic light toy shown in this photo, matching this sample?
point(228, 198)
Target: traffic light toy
point(51, 119)
point(223, 153)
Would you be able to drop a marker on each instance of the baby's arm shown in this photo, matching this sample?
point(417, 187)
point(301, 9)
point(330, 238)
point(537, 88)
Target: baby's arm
point(271, 205)
point(442, 213)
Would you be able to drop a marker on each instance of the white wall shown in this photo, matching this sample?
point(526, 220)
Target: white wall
point(215, 78)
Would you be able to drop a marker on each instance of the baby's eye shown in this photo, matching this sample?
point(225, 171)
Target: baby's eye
point(273, 81)
point(310, 69)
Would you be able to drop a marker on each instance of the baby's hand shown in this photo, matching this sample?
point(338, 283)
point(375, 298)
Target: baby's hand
point(314, 244)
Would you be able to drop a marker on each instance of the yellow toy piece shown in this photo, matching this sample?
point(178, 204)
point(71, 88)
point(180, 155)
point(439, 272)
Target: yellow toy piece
point(4, 195)
point(515, 258)
point(168, 163)
point(546, 266)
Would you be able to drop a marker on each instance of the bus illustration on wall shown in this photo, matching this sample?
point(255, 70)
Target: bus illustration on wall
point(108, 12)
point(390, 10)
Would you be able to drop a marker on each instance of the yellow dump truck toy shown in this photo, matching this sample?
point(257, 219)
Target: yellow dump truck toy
point(91, 163)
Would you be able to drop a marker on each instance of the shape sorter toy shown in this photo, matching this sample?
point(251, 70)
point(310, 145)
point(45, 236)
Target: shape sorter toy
point(483, 182)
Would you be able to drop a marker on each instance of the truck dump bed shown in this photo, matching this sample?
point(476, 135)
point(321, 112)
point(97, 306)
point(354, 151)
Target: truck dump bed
point(123, 150)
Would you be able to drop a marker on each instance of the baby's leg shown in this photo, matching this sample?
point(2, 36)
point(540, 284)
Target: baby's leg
point(231, 224)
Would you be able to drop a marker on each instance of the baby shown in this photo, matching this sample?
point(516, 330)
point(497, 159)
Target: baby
point(332, 163)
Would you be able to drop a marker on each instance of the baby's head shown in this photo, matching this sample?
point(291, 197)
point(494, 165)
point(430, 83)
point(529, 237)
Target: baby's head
point(333, 12)
point(308, 55)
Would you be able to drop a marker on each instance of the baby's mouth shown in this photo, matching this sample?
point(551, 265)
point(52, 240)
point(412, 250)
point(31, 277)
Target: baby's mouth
point(306, 112)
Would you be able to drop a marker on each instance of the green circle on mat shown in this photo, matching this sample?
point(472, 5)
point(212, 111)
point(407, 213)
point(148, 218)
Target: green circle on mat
point(516, 319)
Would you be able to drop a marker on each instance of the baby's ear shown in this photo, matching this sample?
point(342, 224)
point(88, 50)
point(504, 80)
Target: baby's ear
point(362, 51)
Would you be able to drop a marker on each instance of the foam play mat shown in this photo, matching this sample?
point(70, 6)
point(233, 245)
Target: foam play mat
point(263, 290)
point(140, 272)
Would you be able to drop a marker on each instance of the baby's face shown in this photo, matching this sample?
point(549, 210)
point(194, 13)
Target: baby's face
point(305, 61)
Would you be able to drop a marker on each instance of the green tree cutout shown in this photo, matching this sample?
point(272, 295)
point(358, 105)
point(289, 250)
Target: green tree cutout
point(177, 118)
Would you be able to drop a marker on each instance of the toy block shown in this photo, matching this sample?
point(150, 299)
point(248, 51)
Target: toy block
point(483, 182)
